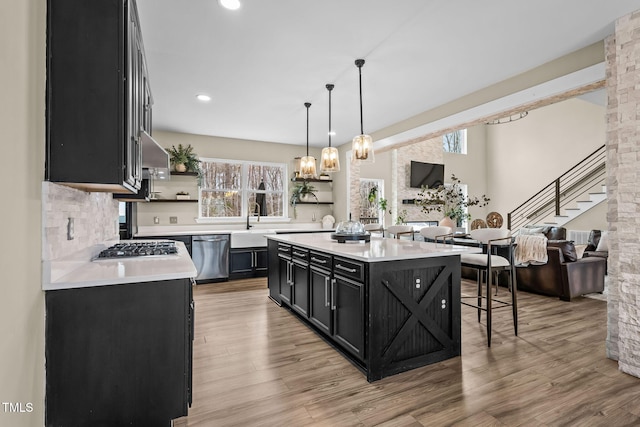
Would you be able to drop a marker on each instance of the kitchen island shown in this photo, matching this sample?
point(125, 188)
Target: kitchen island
point(119, 338)
point(387, 305)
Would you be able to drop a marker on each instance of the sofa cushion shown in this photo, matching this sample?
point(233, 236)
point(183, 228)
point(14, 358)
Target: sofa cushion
point(603, 244)
point(567, 247)
point(594, 239)
point(580, 250)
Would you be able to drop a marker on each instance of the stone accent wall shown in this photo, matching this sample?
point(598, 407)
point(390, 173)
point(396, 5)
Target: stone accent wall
point(428, 151)
point(95, 218)
point(623, 163)
point(421, 150)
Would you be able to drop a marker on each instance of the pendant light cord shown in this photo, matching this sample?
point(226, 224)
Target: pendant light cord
point(307, 104)
point(359, 64)
point(329, 88)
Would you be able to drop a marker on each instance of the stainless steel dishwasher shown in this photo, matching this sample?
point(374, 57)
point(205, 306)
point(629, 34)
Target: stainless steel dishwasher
point(210, 254)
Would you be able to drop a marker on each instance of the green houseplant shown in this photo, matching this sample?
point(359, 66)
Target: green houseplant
point(301, 193)
point(184, 159)
point(449, 200)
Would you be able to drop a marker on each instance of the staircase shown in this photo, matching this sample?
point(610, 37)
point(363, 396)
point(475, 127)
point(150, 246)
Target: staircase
point(571, 194)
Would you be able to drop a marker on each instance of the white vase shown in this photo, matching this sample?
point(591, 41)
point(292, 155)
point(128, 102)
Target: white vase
point(180, 167)
point(447, 222)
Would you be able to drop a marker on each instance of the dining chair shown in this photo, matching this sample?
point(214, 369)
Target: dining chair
point(399, 230)
point(433, 234)
point(488, 264)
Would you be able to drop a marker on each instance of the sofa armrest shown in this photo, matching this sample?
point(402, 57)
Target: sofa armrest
point(543, 279)
point(582, 277)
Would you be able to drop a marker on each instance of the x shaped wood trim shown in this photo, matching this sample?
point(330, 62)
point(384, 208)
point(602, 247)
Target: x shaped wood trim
point(418, 314)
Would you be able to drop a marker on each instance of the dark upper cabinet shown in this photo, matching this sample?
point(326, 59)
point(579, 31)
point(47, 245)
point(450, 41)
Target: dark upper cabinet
point(98, 97)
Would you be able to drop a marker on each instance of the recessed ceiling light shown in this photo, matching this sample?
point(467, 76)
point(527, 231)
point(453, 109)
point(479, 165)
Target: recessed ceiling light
point(203, 97)
point(230, 4)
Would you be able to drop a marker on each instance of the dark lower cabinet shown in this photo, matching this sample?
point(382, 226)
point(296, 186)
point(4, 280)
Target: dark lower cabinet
point(247, 262)
point(386, 317)
point(300, 298)
point(348, 313)
point(320, 311)
point(119, 355)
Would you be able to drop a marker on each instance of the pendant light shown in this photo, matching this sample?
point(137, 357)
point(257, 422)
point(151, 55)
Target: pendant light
point(329, 159)
point(362, 145)
point(308, 163)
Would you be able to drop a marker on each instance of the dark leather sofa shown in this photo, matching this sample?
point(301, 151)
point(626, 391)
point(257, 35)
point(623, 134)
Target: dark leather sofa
point(563, 275)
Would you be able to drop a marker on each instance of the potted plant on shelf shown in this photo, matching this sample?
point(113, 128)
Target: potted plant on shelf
point(303, 192)
point(449, 200)
point(184, 159)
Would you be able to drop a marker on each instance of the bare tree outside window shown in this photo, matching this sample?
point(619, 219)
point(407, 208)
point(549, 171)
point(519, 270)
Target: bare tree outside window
point(236, 188)
point(455, 142)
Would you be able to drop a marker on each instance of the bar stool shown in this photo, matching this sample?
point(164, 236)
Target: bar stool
point(432, 234)
point(488, 263)
point(399, 230)
point(374, 228)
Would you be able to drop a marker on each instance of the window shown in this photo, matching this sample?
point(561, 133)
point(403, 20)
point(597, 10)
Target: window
point(455, 142)
point(233, 189)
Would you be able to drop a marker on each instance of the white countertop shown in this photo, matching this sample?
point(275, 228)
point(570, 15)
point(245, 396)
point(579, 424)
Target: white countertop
point(79, 271)
point(256, 227)
point(377, 250)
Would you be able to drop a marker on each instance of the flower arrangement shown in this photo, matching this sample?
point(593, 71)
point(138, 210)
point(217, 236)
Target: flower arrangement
point(450, 200)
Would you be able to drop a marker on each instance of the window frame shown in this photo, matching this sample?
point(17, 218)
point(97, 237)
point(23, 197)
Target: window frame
point(244, 192)
point(463, 142)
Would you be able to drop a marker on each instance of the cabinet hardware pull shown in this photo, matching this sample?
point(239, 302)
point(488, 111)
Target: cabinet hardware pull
point(326, 292)
point(292, 277)
point(320, 261)
point(350, 270)
point(298, 253)
point(333, 294)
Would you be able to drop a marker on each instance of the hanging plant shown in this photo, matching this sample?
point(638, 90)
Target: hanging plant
point(300, 193)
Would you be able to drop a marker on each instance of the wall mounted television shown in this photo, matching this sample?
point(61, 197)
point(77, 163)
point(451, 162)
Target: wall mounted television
point(431, 175)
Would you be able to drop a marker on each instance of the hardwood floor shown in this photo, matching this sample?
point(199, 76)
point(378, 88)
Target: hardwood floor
point(255, 364)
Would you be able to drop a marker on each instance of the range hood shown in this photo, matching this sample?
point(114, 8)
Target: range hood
point(155, 160)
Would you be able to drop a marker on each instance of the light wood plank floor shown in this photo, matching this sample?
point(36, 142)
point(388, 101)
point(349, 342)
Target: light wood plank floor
point(255, 364)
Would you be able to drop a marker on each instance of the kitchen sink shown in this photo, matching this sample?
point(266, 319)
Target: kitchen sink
point(250, 238)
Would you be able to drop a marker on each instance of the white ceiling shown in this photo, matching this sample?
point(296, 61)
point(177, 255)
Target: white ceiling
point(261, 63)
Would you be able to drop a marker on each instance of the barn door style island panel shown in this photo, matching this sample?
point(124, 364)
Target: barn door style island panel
point(387, 305)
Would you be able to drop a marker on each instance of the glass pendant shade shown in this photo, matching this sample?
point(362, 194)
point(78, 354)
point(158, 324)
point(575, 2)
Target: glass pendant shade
point(361, 145)
point(308, 167)
point(329, 160)
point(362, 149)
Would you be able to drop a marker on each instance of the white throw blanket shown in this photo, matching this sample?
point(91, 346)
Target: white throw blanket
point(531, 249)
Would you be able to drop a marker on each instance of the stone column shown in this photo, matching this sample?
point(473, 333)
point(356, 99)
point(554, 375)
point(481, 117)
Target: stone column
point(623, 191)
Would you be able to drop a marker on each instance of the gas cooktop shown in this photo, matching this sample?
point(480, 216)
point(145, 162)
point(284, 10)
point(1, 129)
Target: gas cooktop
point(136, 249)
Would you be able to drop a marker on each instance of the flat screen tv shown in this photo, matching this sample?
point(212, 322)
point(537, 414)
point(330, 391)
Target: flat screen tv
point(431, 175)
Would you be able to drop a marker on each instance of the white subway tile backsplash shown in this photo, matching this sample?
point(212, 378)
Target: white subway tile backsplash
point(94, 217)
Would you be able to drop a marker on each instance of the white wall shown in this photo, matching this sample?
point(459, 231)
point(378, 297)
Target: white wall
point(22, 46)
point(226, 148)
point(471, 168)
point(526, 155)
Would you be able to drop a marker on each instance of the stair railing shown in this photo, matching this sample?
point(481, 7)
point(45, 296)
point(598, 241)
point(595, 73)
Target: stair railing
point(562, 191)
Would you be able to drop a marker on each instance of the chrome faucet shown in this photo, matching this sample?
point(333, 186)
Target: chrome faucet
point(249, 215)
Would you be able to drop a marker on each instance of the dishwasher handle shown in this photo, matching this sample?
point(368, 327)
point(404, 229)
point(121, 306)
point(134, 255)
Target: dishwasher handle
point(215, 239)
